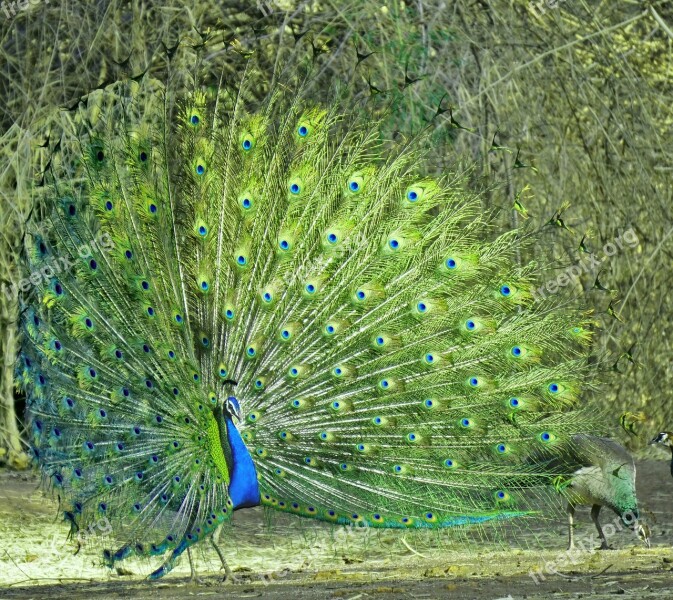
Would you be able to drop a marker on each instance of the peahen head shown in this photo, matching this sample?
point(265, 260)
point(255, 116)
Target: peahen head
point(665, 438)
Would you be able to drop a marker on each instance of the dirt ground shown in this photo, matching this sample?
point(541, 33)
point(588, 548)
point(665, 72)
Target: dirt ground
point(305, 560)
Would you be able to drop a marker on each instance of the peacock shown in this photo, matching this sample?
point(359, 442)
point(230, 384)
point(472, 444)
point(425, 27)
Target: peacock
point(239, 301)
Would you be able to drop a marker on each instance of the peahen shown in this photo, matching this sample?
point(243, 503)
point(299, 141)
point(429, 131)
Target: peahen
point(239, 302)
point(606, 477)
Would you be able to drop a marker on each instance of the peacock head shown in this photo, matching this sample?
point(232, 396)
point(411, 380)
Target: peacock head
point(232, 408)
point(665, 438)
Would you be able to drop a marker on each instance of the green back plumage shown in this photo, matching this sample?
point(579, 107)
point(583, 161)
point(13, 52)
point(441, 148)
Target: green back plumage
point(391, 365)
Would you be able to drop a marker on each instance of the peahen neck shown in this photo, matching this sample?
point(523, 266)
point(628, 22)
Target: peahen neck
point(243, 486)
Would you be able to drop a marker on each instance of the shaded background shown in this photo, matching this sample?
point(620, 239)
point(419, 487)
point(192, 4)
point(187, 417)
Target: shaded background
point(580, 92)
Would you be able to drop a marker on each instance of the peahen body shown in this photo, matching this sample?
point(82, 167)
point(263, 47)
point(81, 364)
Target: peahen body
point(606, 477)
point(278, 310)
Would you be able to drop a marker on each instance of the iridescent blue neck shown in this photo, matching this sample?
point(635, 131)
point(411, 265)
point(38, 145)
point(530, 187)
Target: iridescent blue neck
point(243, 486)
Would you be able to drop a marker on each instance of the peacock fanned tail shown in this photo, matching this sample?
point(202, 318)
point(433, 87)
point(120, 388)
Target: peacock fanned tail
point(388, 359)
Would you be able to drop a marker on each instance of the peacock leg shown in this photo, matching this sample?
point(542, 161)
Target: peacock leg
point(228, 575)
point(571, 513)
point(193, 577)
point(595, 510)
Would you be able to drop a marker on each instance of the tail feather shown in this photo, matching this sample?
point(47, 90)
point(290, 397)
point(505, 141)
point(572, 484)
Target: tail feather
point(392, 367)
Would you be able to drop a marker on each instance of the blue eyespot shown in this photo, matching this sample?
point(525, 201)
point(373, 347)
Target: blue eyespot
point(516, 351)
point(229, 314)
point(128, 254)
point(429, 358)
point(284, 244)
point(145, 285)
point(178, 318)
point(361, 294)
point(354, 186)
point(153, 208)
point(474, 382)
point(150, 311)
point(514, 402)
point(394, 244)
point(88, 323)
point(241, 260)
point(470, 325)
point(553, 388)
point(247, 144)
point(501, 448)
point(545, 436)
point(448, 463)
point(330, 329)
point(194, 120)
point(338, 371)
point(310, 288)
point(285, 334)
point(421, 307)
point(429, 403)
point(505, 290)
point(302, 130)
point(108, 205)
point(204, 286)
point(412, 196)
point(380, 341)
point(465, 422)
point(332, 238)
point(267, 297)
point(202, 230)
point(295, 188)
point(251, 351)
point(246, 203)
point(450, 263)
